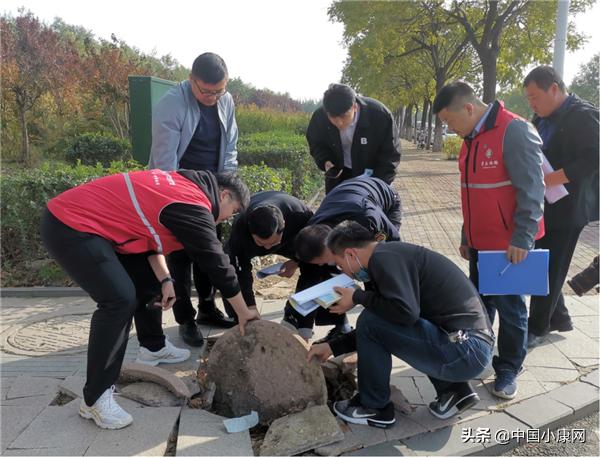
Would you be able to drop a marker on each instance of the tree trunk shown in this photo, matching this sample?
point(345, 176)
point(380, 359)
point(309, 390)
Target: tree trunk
point(424, 114)
point(414, 132)
point(407, 122)
point(24, 135)
point(437, 136)
point(488, 65)
point(399, 119)
point(429, 128)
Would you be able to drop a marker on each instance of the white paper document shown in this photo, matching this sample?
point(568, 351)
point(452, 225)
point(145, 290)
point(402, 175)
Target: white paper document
point(305, 301)
point(553, 193)
point(270, 270)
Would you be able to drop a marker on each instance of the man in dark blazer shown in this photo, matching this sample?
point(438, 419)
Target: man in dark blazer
point(568, 127)
point(351, 135)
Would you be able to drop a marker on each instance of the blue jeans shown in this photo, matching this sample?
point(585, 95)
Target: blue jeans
point(512, 330)
point(423, 345)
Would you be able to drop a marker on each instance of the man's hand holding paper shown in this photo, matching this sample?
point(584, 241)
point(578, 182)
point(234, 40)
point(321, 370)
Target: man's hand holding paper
point(345, 303)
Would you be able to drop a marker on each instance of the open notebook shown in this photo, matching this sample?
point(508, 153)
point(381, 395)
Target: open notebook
point(321, 294)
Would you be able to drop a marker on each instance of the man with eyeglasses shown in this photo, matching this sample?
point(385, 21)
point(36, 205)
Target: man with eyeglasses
point(194, 128)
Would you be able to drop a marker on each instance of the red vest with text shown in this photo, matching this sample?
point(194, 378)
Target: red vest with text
point(488, 197)
point(125, 208)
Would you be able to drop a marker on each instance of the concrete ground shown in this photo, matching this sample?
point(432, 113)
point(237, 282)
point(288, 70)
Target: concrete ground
point(43, 341)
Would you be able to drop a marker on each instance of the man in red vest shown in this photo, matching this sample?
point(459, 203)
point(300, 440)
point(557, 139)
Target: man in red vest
point(502, 193)
point(111, 235)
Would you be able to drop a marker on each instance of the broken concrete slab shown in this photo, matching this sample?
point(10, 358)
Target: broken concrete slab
point(592, 378)
point(400, 402)
point(349, 443)
point(203, 433)
point(147, 435)
point(578, 395)
point(46, 400)
point(14, 419)
point(528, 411)
point(58, 427)
point(300, 432)
point(265, 371)
point(32, 386)
point(73, 386)
point(47, 452)
point(150, 394)
point(131, 372)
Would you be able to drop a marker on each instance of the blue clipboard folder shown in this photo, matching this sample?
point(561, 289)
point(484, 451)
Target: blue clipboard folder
point(497, 276)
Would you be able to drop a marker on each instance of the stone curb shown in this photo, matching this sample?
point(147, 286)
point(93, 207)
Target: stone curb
point(48, 292)
point(569, 402)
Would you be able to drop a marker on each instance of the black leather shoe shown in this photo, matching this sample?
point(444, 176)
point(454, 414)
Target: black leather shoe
point(561, 327)
point(534, 340)
point(191, 334)
point(215, 318)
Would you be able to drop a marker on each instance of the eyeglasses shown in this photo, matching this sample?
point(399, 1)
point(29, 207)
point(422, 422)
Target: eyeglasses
point(210, 93)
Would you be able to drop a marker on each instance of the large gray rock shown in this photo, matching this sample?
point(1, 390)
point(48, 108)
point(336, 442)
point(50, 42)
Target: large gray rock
point(265, 371)
point(297, 433)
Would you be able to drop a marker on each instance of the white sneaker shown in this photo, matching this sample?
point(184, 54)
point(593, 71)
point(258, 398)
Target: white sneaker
point(106, 412)
point(168, 354)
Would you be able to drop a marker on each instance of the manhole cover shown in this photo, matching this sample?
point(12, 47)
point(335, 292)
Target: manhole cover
point(67, 334)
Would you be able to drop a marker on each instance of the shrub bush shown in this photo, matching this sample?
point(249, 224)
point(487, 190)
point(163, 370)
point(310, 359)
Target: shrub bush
point(251, 119)
point(93, 148)
point(451, 147)
point(24, 196)
point(281, 149)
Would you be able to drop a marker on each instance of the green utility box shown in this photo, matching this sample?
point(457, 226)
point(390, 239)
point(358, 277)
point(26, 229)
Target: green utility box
point(144, 92)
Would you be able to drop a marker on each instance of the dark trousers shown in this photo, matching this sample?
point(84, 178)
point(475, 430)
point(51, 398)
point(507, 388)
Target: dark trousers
point(120, 285)
point(182, 270)
point(330, 183)
point(311, 275)
point(550, 310)
point(423, 345)
point(512, 329)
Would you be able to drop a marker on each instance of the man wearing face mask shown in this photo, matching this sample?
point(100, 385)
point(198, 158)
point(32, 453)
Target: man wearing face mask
point(268, 226)
point(370, 202)
point(194, 128)
point(422, 309)
point(351, 135)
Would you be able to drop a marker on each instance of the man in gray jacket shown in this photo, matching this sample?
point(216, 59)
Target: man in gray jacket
point(194, 127)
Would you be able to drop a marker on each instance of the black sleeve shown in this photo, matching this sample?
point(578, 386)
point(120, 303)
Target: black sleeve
point(374, 220)
point(317, 143)
point(241, 261)
point(388, 156)
point(584, 128)
point(343, 344)
point(194, 227)
point(397, 290)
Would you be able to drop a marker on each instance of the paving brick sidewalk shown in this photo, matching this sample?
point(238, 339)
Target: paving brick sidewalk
point(43, 340)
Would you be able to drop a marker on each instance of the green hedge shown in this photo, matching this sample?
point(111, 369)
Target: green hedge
point(451, 147)
point(251, 119)
point(24, 196)
point(93, 148)
point(282, 150)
